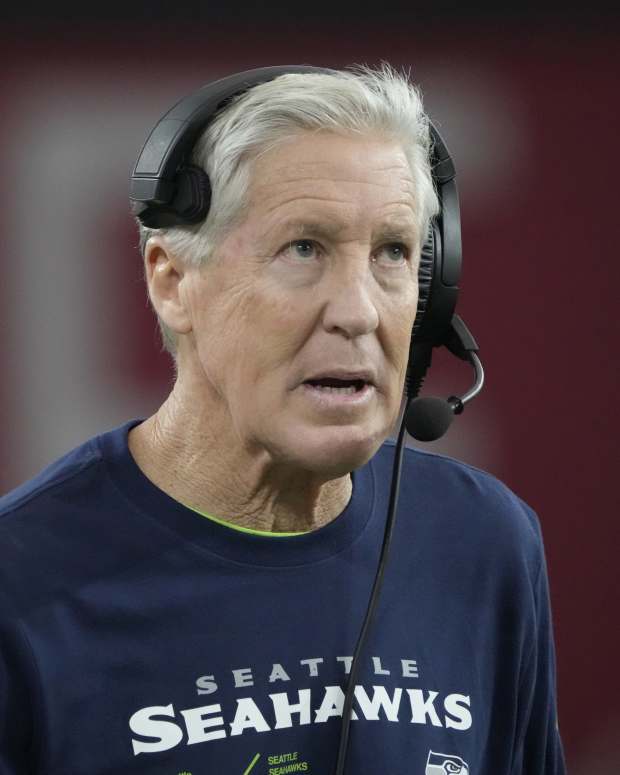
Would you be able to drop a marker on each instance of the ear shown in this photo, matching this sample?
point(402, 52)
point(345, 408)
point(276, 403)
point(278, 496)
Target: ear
point(165, 274)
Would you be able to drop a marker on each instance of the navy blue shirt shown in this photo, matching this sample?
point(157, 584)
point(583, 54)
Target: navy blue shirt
point(137, 636)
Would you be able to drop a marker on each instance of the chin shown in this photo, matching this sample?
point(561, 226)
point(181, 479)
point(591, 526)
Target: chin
point(336, 451)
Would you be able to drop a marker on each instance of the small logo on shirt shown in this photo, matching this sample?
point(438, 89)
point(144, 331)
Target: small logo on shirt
point(445, 764)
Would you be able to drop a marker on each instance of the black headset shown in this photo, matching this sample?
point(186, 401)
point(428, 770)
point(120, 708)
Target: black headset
point(168, 190)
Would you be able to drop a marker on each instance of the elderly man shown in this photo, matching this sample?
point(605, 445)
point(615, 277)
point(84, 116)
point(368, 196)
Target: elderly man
point(183, 594)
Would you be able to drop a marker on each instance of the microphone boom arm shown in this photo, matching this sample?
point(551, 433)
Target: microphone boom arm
point(461, 343)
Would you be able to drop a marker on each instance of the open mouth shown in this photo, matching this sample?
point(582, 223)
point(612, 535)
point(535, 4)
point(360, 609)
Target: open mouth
point(340, 386)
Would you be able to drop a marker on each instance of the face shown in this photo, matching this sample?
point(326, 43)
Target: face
point(320, 276)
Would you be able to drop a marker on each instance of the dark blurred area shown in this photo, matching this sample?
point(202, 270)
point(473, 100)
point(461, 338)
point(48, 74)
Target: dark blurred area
point(526, 97)
point(451, 11)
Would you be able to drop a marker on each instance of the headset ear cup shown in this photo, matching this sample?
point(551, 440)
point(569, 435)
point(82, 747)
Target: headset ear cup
point(426, 271)
point(193, 194)
point(420, 351)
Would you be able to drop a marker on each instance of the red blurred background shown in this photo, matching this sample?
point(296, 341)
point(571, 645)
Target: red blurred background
point(527, 101)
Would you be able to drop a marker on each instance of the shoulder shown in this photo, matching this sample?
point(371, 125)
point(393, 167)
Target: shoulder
point(53, 489)
point(46, 483)
point(67, 480)
point(35, 519)
point(461, 498)
point(59, 526)
point(57, 503)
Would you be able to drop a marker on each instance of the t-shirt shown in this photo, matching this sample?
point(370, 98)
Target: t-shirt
point(137, 636)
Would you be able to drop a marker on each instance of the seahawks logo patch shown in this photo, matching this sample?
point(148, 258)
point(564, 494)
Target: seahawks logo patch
point(445, 764)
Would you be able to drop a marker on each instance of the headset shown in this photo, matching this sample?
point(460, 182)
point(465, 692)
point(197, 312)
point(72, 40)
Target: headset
point(166, 189)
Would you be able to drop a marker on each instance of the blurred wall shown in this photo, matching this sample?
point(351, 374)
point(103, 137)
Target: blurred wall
point(529, 114)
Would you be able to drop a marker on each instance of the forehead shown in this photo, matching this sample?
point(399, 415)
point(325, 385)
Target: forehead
point(333, 175)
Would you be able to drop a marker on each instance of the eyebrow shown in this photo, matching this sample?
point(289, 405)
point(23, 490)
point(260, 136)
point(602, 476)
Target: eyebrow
point(385, 231)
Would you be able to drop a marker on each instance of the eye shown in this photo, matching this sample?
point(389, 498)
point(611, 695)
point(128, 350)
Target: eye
point(396, 252)
point(301, 248)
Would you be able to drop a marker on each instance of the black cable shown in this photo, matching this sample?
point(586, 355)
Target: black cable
point(387, 537)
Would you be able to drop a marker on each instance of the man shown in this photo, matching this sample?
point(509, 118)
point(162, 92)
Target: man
point(183, 594)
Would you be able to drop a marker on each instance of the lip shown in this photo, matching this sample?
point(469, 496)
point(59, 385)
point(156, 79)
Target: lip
point(326, 400)
point(366, 375)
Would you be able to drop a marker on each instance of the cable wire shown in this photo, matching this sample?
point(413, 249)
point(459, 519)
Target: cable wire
point(387, 537)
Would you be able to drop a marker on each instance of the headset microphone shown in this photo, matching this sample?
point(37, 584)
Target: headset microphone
point(428, 418)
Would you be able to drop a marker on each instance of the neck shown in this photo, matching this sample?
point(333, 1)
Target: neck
point(198, 461)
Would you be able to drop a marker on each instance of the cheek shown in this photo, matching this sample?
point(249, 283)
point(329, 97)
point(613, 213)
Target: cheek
point(409, 312)
point(261, 342)
point(280, 324)
point(400, 327)
point(221, 344)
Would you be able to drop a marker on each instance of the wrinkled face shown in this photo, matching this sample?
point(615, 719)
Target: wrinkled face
point(320, 277)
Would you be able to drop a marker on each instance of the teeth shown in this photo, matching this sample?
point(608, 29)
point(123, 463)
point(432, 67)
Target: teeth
point(342, 390)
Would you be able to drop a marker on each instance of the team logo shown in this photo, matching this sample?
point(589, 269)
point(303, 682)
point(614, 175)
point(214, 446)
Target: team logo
point(445, 764)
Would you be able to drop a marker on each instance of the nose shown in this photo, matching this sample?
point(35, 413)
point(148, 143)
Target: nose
point(350, 308)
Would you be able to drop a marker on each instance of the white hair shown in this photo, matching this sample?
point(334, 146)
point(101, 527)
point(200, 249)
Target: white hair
point(360, 100)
